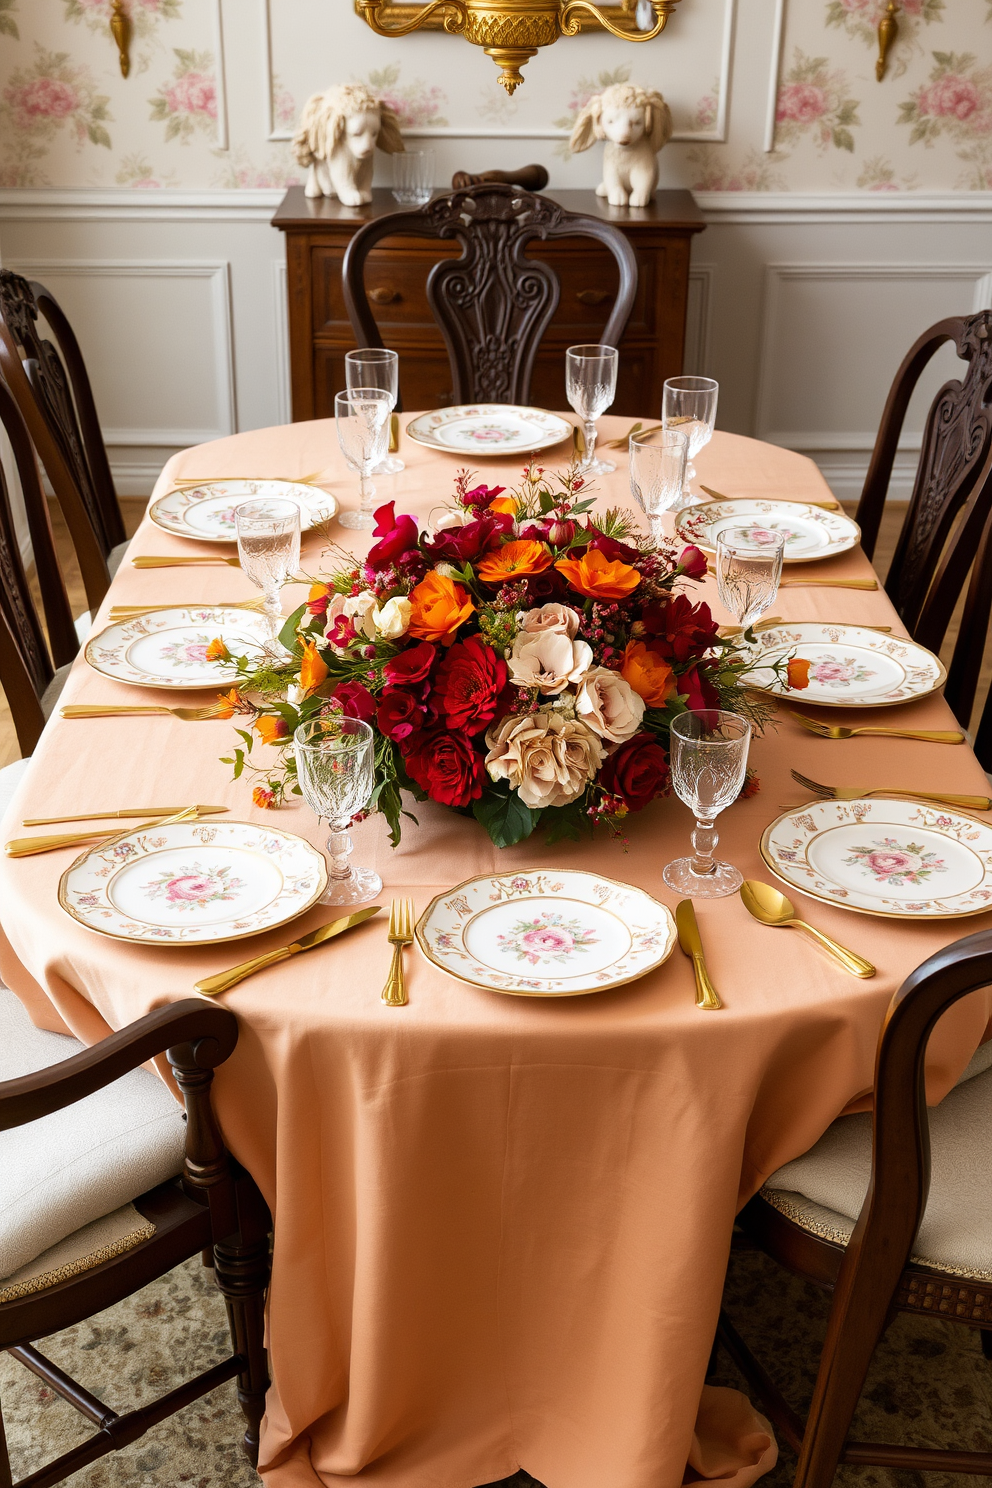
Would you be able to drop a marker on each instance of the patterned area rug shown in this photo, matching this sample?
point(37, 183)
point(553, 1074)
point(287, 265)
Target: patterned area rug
point(930, 1384)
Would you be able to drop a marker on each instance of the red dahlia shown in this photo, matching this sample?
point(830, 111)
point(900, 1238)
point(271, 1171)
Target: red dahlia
point(468, 684)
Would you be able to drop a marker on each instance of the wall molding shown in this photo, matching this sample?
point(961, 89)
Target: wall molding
point(697, 330)
point(280, 319)
point(223, 141)
point(218, 273)
point(774, 72)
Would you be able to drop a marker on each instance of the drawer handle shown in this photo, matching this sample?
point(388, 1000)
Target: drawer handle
point(593, 296)
point(385, 296)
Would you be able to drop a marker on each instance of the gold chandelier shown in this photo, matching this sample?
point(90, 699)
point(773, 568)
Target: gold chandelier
point(512, 30)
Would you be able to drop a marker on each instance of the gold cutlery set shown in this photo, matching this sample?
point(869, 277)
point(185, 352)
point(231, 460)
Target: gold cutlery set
point(137, 710)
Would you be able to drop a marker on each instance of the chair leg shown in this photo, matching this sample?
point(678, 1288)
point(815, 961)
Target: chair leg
point(847, 1353)
point(6, 1480)
point(987, 1342)
point(242, 1273)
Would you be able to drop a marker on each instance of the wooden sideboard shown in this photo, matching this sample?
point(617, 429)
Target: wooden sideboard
point(318, 232)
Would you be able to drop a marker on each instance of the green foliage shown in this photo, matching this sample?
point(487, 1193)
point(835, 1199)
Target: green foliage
point(505, 817)
point(567, 823)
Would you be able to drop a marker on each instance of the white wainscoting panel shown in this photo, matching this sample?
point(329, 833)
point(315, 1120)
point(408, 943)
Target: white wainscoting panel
point(280, 328)
point(697, 319)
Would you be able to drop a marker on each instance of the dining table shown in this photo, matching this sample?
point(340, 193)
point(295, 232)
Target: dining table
point(501, 1224)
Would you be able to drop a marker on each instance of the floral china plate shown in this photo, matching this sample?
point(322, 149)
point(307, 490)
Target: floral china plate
point(206, 512)
point(850, 666)
point(489, 429)
point(884, 857)
point(177, 648)
point(540, 933)
point(810, 533)
point(193, 883)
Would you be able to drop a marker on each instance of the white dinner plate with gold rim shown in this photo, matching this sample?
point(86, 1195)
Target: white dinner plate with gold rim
point(543, 933)
point(810, 532)
point(206, 512)
point(884, 857)
point(850, 666)
point(489, 429)
point(169, 648)
point(194, 883)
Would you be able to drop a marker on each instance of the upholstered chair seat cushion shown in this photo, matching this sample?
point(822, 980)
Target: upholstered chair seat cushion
point(79, 1164)
point(823, 1190)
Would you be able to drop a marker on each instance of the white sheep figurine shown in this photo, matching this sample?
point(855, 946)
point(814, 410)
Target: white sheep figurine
point(337, 137)
point(635, 123)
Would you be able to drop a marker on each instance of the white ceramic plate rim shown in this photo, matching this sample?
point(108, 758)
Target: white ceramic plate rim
point(220, 614)
point(665, 917)
point(857, 635)
point(205, 940)
point(419, 431)
point(887, 803)
point(849, 534)
point(316, 504)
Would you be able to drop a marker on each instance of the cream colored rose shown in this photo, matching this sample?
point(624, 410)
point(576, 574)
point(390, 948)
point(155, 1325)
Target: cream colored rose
point(547, 759)
point(359, 608)
point(449, 517)
point(609, 705)
point(548, 661)
point(392, 619)
point(553, 619)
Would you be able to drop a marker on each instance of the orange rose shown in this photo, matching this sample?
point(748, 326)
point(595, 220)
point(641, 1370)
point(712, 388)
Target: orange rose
point(597, 577)
point(648, 674)
point(217, 650)
point(271, 729)
point(439, 606)
point(797, 673)
point(313, 669)
point(505, 504)
point(515, 560)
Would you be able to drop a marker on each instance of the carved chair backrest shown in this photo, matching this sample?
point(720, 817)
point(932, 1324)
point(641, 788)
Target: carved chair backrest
point(26, 664)
point(51, 387)
point(952, 492)
point(492, 304)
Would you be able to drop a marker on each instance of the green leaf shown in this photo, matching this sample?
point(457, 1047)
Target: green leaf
point(505, 818)
point(844, 139)
point(98, 135)
point(248, 738)
point(287, 636)
point(239, 763)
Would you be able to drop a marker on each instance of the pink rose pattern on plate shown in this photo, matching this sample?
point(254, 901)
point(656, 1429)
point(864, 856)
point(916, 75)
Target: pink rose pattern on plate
point(195, 888)
point(762, 536)
point(547, 939)
point(896, 864)
point(189, 652)
point(838, 672)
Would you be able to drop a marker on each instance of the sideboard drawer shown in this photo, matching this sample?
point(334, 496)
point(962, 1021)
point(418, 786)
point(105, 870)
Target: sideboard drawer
point(395, 281)
point(589, 282)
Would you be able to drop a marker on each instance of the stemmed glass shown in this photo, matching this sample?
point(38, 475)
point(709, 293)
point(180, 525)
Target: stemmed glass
point(362, 417)
point(334, 766)
point(591, 385)
point(708, 756)
point(748, 571)
point(375, 367)
point(689, 404)
point(657, 473)
point(269, 549)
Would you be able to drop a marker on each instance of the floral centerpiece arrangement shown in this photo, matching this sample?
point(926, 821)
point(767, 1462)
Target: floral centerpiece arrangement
point(518, 659)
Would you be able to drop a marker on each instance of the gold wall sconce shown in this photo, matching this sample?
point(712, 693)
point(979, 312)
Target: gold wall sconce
point(120, 30)
point(511, 31)
point(888, 30)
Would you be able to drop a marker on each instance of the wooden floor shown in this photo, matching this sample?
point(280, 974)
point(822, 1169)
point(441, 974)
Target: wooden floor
point(133, 508)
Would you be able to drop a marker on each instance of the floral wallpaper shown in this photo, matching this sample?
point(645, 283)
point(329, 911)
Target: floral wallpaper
point(68, 117)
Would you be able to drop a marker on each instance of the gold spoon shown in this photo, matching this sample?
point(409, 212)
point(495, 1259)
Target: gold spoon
point(770, 907)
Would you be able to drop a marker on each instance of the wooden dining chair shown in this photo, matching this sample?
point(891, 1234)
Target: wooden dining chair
point(862, 1215)
point(492, 304)
point(123, 1134)
point(50, 385)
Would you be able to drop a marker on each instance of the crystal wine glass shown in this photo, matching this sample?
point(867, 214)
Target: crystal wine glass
point(269, 549)
point(335, 757)
point(591, 385)
point(689, 404)
point(708, 755)
point(376, 367)
point(362, 417)
point(413, 177)
point(748, 570)
point(657, 473)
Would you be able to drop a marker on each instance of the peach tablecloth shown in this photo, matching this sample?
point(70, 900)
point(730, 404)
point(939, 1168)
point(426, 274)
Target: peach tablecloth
point(501, 1224)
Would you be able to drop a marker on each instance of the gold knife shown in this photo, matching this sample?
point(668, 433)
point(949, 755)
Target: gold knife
point(394, 433)
point(210, 986)
point(155, 560)
point(51, 821)
point(692, 945)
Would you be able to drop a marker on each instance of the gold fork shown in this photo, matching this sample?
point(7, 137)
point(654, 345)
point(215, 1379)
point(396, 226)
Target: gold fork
point(637, 429)
point(402, 917)
point(112, 710)
point(134, 612)
point(206, 480)
point(162, 560)
point(791, 583)
point(852, 793)
point(838, 731)
point(26, 847)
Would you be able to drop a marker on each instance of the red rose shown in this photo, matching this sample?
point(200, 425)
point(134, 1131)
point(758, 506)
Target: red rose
point(465, 544)
point(400, 713)
point(355, 700)
point(397, 536)
point(445, 765)
point(468, 684)
point(679, 629)
point(611, 549)
point(412, 665)
point(697, 691)
point(636, 772)
point(693, 563)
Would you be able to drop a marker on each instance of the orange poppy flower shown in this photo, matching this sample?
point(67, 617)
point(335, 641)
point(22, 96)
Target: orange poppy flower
point(505, 504)
point(797, 673)
point(597, 577)
point(648, 674)
point(313, 669)
point(439, 606)
point(515, 560)
point(271, 729)
point(217, 650)
point(263, 797)
point(229, 703)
